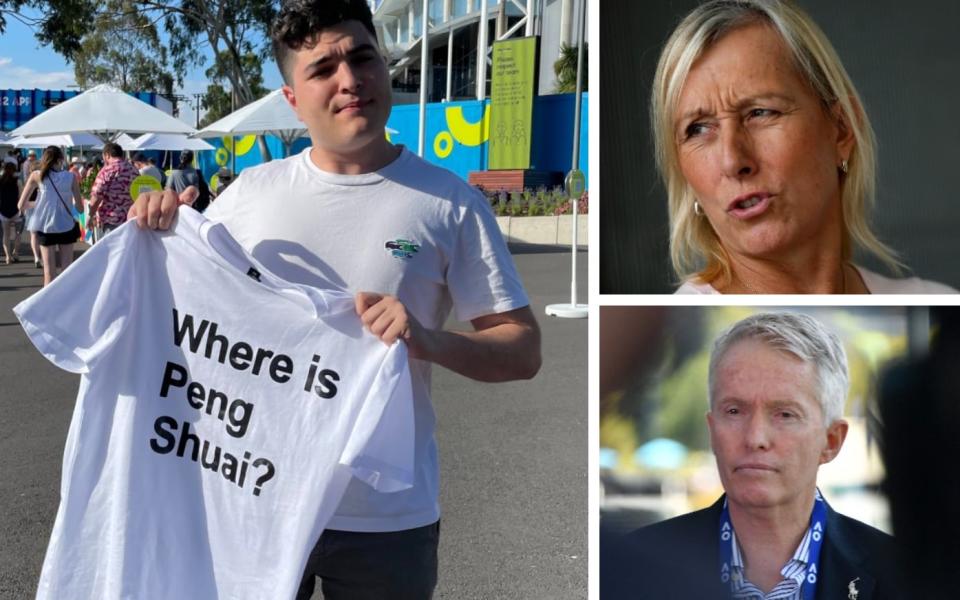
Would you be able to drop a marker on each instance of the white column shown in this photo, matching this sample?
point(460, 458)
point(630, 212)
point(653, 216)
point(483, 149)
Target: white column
point(411, 22)
point(566, 22)
point(531, 8)
point(501, 20)
point(447, 10)
point(482, 53)
point(424, 73)
point(449, 95)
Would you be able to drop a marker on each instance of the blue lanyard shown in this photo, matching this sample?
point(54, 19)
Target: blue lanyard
point(818, 525)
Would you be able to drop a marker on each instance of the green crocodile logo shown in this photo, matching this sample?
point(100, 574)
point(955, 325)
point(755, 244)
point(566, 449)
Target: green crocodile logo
point(401, 248)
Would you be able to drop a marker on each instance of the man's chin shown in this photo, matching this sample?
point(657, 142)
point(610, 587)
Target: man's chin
point(754, 496)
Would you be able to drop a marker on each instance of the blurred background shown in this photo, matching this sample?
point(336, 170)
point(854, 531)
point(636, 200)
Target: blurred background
point(655, 457)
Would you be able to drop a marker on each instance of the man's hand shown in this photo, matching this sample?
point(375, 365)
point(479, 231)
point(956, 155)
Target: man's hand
point(387, 318)
point(189, 195)
point(503, 346)
point(155, 210)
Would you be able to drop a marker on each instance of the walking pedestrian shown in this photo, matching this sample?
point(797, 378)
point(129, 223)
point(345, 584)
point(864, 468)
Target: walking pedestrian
point(57, 230)
point(110, 196)
point(10, 217)
point(30, 221)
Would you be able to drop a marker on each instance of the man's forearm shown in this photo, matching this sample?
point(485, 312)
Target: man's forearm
point(501, 353)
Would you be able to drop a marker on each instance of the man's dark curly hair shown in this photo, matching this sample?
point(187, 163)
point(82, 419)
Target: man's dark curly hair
point(300, 21)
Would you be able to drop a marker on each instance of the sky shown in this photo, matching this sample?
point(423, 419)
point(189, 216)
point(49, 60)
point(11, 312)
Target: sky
point(26, 64)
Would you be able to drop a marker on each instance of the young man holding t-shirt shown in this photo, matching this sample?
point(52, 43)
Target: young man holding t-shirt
point(410, 240)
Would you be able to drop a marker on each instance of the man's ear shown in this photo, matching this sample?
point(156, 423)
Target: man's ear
point(836, 434)
point(290, 97)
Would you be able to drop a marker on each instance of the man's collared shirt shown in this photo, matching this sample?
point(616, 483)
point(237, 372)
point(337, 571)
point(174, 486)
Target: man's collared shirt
point(793, 573)
point(112, 187)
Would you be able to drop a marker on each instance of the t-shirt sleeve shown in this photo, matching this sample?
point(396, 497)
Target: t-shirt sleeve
point(76, 319)
point(380, 451)
point(481, 276)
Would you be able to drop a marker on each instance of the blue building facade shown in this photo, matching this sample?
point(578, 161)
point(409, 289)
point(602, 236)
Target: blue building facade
point(19, 106)
point(457, 137)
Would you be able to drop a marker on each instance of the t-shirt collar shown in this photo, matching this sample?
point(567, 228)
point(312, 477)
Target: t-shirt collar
point(362, 179)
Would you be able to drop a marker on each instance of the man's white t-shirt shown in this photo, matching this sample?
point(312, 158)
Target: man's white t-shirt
point(221, 414)
point(412, 230)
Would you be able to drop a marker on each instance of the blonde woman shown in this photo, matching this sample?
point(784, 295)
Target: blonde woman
point(767, 156)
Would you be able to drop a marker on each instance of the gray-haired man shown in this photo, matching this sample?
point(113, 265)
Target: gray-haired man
point(777, 385)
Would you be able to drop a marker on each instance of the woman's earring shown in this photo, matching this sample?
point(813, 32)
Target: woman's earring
point(844, 167)
point(697, 209)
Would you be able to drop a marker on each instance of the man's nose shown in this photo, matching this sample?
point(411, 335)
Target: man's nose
point(736, 151)
point(347, 78)
point(757, 434)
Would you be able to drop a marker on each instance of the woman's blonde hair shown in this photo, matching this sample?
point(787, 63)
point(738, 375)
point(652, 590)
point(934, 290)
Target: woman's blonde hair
point(695, 249)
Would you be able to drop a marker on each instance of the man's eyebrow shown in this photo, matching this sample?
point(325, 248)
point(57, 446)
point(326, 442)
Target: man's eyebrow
point(365, 47)
point(700, 111)
point(789, 403)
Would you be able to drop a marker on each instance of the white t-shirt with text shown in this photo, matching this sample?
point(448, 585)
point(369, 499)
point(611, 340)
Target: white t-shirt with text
point(221, 414)
point(412, 230)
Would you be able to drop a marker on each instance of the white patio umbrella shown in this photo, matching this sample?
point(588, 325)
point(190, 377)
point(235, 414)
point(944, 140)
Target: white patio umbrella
point(66, 140)
point(126, 142)
point(104, 111)
point(270, 114)
point(168, 141)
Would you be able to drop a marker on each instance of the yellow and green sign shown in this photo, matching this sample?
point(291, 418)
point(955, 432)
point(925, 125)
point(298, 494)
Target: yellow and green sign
point(143, 184)
point(512, 89)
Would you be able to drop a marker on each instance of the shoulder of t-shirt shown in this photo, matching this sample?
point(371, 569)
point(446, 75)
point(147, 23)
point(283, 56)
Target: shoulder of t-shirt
point(433, 180)
point(268, 171)
point(263, 176)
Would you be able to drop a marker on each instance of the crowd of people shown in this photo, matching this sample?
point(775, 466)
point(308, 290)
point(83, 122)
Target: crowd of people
point(35, 194)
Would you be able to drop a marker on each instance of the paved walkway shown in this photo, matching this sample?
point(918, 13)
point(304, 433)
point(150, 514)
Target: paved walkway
point(513, 456)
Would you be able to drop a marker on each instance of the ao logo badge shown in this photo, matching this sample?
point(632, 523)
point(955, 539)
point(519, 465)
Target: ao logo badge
point(725, 533)
point(401, 248)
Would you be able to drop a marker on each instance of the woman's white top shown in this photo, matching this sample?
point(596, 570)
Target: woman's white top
point(50, 215)
point(876, 284)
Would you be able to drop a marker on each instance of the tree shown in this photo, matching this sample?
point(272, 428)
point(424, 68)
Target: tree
point(58, 23)
point(234, 31)
point(217, 103)
point(123, 48)
point(228, 28)
point(220, 101)
point(565, 68)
